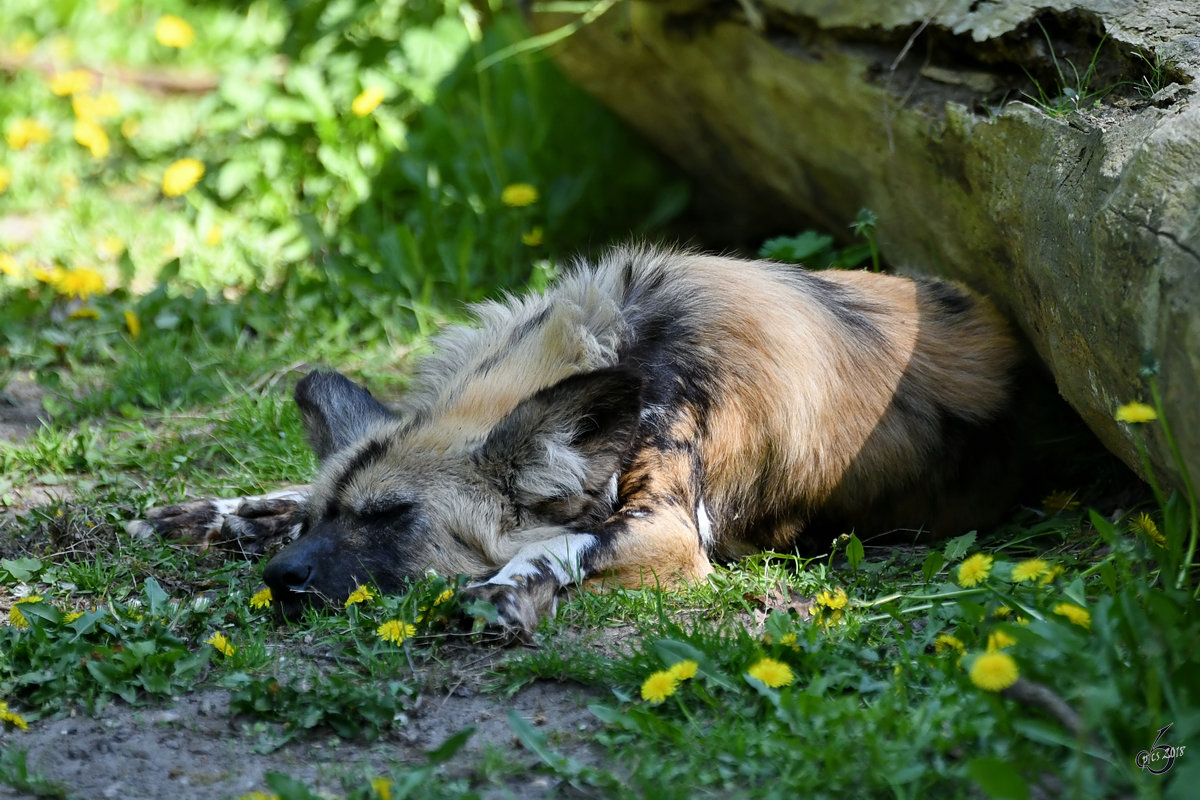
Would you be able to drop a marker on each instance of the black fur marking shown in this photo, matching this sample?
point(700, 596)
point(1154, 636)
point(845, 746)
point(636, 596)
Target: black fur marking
point(485, 366)
point(529, 326)
point(951, 298)
point(664, 349)
point(336, 411)
point(849, 309)
point(488, 363)
point(374, 451)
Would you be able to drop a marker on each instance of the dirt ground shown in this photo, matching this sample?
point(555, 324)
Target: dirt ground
point(194, 749)
point(21, 413)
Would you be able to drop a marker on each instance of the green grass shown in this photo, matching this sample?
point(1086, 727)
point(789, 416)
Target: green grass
point(345, 240)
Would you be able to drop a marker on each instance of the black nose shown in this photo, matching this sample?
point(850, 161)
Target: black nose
point(288, 574)
point(298, 567)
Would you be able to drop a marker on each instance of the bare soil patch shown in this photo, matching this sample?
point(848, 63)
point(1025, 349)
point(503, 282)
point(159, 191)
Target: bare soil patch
point(193, 748)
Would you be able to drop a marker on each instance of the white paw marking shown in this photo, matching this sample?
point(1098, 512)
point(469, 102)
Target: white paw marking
point(561, 555)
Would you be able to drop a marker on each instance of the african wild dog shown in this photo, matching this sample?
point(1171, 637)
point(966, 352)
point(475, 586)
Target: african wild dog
point(648, 413)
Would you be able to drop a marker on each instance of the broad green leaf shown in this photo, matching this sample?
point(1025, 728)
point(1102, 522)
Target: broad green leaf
point(854, 552)
point(21, 569)
point(450, 746)
point(998, 779)
point(933, 562)
point(957, 547)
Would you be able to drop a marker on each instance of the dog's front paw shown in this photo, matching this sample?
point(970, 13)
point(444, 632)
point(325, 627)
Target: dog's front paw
point(261, 525)
point(193, 523)
point(519, 609)
point(249, 526)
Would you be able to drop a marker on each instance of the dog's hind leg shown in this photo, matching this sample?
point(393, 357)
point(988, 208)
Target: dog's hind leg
point(250, 526)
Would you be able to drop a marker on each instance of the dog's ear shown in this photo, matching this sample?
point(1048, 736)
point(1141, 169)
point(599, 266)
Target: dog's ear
point(566, 440)
point(336, 411)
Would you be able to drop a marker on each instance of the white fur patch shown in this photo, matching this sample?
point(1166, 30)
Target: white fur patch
point(704, 524)
point(224, 506)
point(610, 491)
point(561, 555)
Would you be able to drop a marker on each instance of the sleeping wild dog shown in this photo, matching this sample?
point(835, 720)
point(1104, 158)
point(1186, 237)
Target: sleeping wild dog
point(649, 413)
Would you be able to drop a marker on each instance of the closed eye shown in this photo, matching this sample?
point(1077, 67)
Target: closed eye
point(386, 508)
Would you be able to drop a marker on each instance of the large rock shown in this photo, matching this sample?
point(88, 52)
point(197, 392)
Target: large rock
point(1081, 218)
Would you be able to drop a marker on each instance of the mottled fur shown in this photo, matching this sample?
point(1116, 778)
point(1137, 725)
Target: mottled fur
point(650, 412)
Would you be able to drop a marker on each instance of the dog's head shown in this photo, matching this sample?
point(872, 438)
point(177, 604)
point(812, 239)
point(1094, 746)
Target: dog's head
point(400, 494)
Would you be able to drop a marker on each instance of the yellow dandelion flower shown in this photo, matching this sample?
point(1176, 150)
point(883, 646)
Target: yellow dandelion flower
point(1002, 612)
point(833, 600)
point(47, 276)
point(533, 236)
point(946, 643)
point(820, 616)
point(62, 47)
point(24, 44)
point(998, 640)
point(24, 132)
point(367, 101)
point(1029, 569)
point(974, 570)
point(771, 672)
point(682, 670)
point(96, 108)
point(1058, 502)
point(182, 176)
point(107, 105)
point(519, 195)
point(71, 82)
point(80, 282)
point(261, 598)
point(788, 639)
point(171, 31)
point(84, 106)
point(133, 324)
point(12, 717)
point(84, 312)
point(1135, 413)
point(110, 248)
point(993, 672)
point(1145, 523)
point(71, 616)
point(5, 179)
point(362, 594)
point(92, 136)
point(1077, 614)
point(659, 686)
point(9, 266)
point(257, 795)
point(396, 631)
point(443, 597)
point(382, 787)
point(214, 236)
point(15, 617)
point(221, 644)
point(1049, 575)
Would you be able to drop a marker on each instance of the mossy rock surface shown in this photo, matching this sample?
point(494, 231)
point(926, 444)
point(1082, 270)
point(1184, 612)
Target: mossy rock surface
point(1047, 154)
